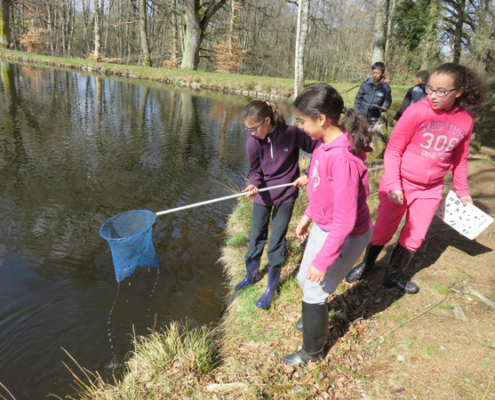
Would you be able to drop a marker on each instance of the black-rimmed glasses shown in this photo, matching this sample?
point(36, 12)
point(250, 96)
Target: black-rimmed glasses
point(438, 92)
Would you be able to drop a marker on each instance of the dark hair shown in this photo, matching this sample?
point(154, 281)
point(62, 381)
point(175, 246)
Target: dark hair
point(321, 98)
point(474, 88)
point(378, 65)
point(424, 75)
point(258, 110)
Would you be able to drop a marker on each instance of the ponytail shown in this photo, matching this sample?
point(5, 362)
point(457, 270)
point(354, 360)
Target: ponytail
point(258, 110)
point(357, 129)
point(321, 98)
point(474, 88)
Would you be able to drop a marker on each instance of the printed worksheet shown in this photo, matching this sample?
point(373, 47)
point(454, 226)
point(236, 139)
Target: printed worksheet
point(469, 221)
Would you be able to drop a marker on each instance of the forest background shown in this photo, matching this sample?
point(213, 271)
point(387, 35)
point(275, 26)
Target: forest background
point(333, 40)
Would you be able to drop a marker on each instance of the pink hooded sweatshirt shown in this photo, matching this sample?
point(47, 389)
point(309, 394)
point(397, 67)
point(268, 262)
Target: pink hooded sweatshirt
point(428, 143)
point(337, 191)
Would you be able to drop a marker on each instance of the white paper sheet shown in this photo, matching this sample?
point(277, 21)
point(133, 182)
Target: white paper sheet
point(469, 221)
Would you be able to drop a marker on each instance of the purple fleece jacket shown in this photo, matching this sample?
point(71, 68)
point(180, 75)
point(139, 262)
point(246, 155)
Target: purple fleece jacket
point(275, 161)
point(337, 191)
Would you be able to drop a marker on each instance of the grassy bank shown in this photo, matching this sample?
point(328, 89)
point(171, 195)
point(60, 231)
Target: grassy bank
point(279, 89)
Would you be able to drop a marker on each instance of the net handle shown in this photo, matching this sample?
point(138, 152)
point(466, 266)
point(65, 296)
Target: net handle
point(221, 199)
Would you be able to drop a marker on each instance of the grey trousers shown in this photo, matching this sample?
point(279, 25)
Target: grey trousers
point(318, 292)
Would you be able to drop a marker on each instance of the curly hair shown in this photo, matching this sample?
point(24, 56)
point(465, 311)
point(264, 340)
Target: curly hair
point(474, 88)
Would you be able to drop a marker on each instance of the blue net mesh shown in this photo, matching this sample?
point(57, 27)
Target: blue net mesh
point(129, 237)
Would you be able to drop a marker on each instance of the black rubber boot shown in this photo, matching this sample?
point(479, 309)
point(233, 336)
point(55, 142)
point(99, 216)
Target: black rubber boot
point(252, 275)
point(299, 322)
point(315, 326)
point(399, 260)
point(366, 266)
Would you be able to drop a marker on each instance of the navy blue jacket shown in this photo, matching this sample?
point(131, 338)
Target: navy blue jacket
point(413, 95)
point(370, 95)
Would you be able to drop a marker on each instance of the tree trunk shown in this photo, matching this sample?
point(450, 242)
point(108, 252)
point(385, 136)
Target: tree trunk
point(232, 18)
point(97, 54)
point(50, 26)
point(431, 35)
point(389, 30)
point(197, 19)
point(142, 30)
point(4, 23)
point(174, 32)
point(193, 36)
point(458, 32)
point(301, 32)
point(380, 31)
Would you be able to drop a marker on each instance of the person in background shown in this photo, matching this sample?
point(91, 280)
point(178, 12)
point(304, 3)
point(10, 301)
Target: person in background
point(431, 138)
point(413, 95)
point(374, 95)
point(337, 193)
point(273, 152)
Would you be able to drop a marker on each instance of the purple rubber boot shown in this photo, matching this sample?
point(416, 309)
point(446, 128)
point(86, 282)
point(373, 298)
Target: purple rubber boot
point(273, 276)
point(252, 275)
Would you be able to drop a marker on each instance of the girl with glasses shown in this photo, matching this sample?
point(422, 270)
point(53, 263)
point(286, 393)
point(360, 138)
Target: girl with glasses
point(337, 192)
point(273, 152)
point(431, 139)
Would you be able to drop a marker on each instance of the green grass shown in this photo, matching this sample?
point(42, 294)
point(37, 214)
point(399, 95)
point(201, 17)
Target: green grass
point(440, 289)
point(432, 350)
point(251, 325)
point(464, 272)
point(238, 240)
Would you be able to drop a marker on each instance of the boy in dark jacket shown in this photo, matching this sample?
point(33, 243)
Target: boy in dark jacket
point(413, 95)
point(374, 96)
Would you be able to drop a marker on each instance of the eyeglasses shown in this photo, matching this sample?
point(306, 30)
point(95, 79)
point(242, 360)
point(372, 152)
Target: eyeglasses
point(255, 129)
point(438, 92)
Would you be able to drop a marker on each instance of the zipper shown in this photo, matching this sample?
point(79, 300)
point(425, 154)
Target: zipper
point(271, 145)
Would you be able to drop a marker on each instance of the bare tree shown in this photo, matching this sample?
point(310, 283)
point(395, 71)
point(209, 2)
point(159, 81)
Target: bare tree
point(302, 30)
point(97, 53)
point(144, 37)
point(431, 35)
point(388, 40)
point(4, 23)
point(459, 25)
point(380, 31)
point(197, 17)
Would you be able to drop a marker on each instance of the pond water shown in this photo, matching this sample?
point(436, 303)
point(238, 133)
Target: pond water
point(74, 151)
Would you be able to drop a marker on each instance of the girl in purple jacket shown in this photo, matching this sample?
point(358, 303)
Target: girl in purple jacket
point(337, 192)
point(273, 152)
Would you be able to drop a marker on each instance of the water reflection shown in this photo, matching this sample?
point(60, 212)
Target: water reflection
point(74, 151)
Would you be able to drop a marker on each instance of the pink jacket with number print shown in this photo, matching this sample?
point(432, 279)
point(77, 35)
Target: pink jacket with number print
point(428, 143)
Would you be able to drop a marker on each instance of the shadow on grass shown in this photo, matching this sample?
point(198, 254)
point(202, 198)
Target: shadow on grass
point(369, 296)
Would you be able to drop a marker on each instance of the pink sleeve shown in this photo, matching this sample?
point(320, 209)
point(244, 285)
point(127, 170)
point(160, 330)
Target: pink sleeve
point(401, 136)
point(346, 179)
point(460, 162)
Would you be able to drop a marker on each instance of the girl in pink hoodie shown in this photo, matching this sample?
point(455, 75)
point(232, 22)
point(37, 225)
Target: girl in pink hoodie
point(337, 192)
point(431, 139)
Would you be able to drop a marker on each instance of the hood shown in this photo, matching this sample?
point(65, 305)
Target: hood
point(343, 141)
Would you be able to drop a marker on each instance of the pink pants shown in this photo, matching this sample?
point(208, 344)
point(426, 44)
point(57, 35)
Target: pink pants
point(420, 202)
